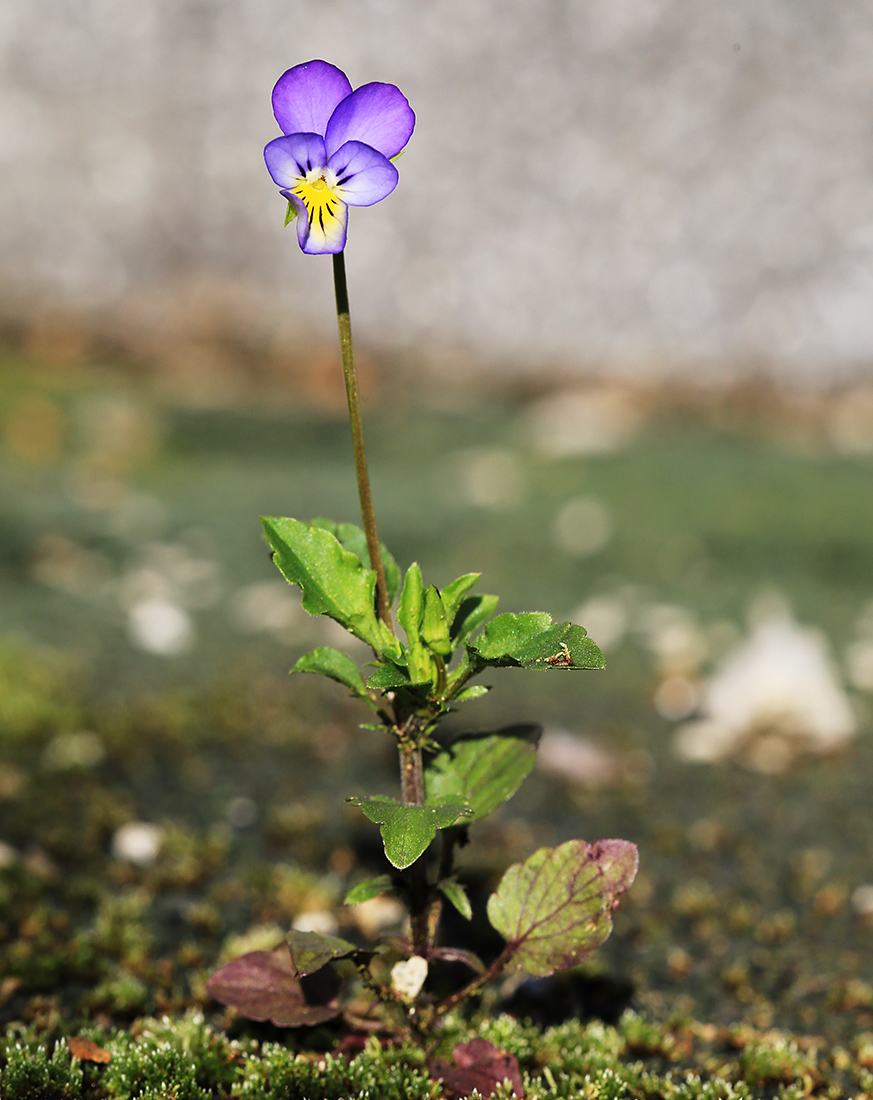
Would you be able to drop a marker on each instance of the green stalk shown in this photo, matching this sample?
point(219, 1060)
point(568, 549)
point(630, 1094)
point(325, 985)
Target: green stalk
point(350, 375)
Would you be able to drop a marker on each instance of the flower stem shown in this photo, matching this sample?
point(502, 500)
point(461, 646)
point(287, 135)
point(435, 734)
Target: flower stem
point(354, 402)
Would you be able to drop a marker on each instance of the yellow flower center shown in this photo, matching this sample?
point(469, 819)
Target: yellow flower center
point(316, 190)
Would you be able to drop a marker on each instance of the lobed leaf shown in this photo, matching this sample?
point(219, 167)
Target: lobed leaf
point(483, 770)
point(338, 666)
point(556, 907)
point(352, 538)
point(310, 951)
point(531, 640)
point(453, 593)
point(262, 985)
point(407, 831)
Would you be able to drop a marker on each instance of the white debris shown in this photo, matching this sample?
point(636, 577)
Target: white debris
point(605, 619)
point(8, 855)
point(73, 750)
point(377, 915)
point(320, 921)
point(489, 477)
point(137, 842)
point(160, 626)
point(776, 696)
point(576, 759)
point(582, 527)
point(408, 976)
point(582, 422)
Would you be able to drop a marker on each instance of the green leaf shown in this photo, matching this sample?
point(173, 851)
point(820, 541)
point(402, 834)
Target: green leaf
point(408, 830)
point(369, 888)
point(471, 613)
point(290, 214)
point(457, 895)
point(556, 907)
point(453, 593)
point(483, 769)
point(409, 614)
point(338, 666)
point(434, 624)
point(532, 640)
point(310, 951)
point(475, 691)
point(352, 538)
point(333, 581)
point(390, 677)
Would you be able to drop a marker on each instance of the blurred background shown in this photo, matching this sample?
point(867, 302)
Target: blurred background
point(615, 337)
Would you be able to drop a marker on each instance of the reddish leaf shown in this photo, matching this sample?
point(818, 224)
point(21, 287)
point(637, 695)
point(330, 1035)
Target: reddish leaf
point(478, 1065)
point(263, 986)
point(86, 1051)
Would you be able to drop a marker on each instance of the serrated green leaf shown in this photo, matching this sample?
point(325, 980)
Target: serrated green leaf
point(352, 538)
point(338, 666)
point(453, 593)
point(556, 907)
point(483, 769)
point(471, 614)
point(333, 581)
point(310, 951)
point(434, 624)
point(369, 888)
point(408, 830)
point(457, 895)
point(531, 640)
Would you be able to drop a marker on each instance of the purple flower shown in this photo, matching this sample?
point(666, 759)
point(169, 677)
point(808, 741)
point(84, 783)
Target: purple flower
point(336, 148)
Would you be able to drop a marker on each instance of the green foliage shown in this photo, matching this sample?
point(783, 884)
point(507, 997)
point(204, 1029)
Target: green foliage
point(556, 907)
point(337, 666)
point(531, 640)
point(334, 581)
point(369, 888)
point(408, 830)
point(483, 770)
point(31, 1073)
point(457, 895)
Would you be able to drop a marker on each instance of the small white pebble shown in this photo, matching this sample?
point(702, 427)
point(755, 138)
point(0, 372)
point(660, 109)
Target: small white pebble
point(161, 627)
point(137, 842)
point(320, 921)
point(407, 977)
point(862, 900)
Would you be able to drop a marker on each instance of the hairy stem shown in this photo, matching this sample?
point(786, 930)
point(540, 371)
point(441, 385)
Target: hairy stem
point(350, 375)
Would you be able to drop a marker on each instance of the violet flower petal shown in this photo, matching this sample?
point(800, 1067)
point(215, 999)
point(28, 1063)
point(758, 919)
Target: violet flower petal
point(316, 235)
point(306, 96)
point(377, 114)
point(364, 176)
point(292, 156)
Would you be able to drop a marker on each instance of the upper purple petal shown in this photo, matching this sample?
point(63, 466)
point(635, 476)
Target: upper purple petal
point(376, 114)
point(364, 176)
point(292, 156)
point(306, 96)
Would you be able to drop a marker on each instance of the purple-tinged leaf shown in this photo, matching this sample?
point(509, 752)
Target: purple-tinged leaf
point(555, 908)
point(478, 1065)
point(458, 955)
point(262, 985)
point(310, 951)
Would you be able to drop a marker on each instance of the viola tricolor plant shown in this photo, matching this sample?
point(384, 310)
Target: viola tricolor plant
point(554, 908)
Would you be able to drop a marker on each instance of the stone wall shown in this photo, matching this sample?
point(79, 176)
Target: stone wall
point(631, 186)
